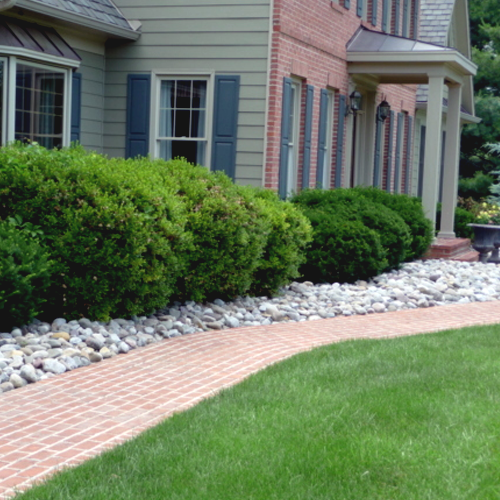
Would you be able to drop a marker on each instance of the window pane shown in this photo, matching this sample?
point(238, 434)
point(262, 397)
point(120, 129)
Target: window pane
point(39, 105)
point(199, 94)
point(183, 94)
point(198, 124)
point(182, 123)
point(193, 151)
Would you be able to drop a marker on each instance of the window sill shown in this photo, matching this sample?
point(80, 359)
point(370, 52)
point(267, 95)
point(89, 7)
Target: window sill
point(336, 7)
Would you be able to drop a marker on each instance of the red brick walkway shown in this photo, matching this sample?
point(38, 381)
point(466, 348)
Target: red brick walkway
point(67, 419)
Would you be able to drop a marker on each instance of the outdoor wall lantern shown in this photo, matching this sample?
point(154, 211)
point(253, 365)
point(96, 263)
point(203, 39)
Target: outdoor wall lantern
point(354, 103)
point(383, 110)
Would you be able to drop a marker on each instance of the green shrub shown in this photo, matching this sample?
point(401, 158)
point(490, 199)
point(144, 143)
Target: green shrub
point(227, 233)
point(350, 205)
point(341, 250)
point(284, 251)
point(25, 272)
point(477, 187)
point(115, 228)
point(411, 211)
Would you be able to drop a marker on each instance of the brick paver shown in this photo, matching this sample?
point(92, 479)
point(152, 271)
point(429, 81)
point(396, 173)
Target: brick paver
point(67, 419)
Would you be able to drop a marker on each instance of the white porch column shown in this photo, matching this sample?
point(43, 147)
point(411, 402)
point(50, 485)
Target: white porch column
point(451, 162)
point(432, 156)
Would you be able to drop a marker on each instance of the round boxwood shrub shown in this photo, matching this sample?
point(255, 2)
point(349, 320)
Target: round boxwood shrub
point(25, 271)
point(341, 250)
point(348, 204)
point(227, 233)
point(284, 251)
point(114, 228)
point(411, 211)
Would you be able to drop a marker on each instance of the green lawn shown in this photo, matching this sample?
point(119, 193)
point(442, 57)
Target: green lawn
point(409, 418)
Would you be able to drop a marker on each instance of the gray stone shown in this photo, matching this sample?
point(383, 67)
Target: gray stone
point(28, 373)
point(17, 381)
point(123, 348)
point(55, 353)
point(94, 342)
point(6, 386)
point(53, 366)
point(95, 357)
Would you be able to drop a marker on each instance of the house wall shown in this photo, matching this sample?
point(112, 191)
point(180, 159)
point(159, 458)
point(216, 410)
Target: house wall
point(309, 44)
point(220, 36)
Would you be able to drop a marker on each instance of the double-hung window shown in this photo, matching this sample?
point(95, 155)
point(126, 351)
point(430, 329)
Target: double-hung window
point(182, 120)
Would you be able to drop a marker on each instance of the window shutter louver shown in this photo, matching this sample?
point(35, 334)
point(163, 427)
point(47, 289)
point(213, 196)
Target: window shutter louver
point(406, 6)
point(392, 117)
point(76, 106)
point(306, 165)
point(399, 144)
point(138, 104)
point(374, 12)
point(359, 8)
point(409, 144)
point(323, 121)
point(340, 141)
point(347, 4)
point(285, 136)
point(415, 18)
point(396, 17)
point(379, 125)
point(225, 124)
point(385, 15)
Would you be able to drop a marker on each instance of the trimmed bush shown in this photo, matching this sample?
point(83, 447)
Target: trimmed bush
point(411, 211)
point(350, 205)
point(115, 228)
point(25, 272)
point(226, 233)
point(284, 251)
point(341, 250)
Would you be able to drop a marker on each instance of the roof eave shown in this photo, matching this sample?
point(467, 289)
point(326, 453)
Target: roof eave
point(80, 21)
point(464, 117)
point(452, 57)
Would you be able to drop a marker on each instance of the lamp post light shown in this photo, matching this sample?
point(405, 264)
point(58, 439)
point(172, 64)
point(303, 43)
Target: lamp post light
point(383, 110)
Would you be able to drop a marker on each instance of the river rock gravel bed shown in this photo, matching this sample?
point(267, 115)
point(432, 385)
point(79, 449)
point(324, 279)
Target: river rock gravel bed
point(42, 350)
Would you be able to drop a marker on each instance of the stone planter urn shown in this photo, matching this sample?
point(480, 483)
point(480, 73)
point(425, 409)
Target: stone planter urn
point(486, 240)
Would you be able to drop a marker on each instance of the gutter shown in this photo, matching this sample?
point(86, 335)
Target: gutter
point(75, 19)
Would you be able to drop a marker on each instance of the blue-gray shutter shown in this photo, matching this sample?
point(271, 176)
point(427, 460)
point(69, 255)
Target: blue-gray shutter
point(409, 145)
point(285, 136)
point(225, 125)
point(399, 147)
point(379, 127)
point(76, 106)
point(392, 119)
point(323, 122)
point(374, 12)
point(385, 15)
point(415, 18)
point(396, 17)
point(406, 28)
point(347, 4)
point(138, 104)
point(306, 164)
point(340, 141)
point(359, 8)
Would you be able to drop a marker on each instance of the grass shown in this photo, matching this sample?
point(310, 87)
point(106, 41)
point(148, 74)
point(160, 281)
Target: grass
point(409, 418)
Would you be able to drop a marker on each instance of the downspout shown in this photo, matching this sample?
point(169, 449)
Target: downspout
point(7, 4)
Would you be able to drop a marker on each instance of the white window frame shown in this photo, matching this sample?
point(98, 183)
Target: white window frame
point(9, 111)
point(159, 75)
point(293, 145)
point(327, 166)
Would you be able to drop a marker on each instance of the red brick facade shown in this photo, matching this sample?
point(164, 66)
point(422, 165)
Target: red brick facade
point(309, 45)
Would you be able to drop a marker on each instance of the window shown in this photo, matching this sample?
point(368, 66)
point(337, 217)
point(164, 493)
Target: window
point(39, 106)
point(183, 115)
point(325, 142)
point(34, 103)
point(293, 124)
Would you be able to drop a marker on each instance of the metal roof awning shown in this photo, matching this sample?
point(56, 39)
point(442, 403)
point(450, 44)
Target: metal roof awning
point(394, 59)
point(17, 37)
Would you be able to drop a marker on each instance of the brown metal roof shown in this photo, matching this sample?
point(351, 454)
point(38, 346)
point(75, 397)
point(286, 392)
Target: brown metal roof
point(14, 33)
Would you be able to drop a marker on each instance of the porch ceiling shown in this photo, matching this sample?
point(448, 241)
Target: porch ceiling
point(392, 59)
